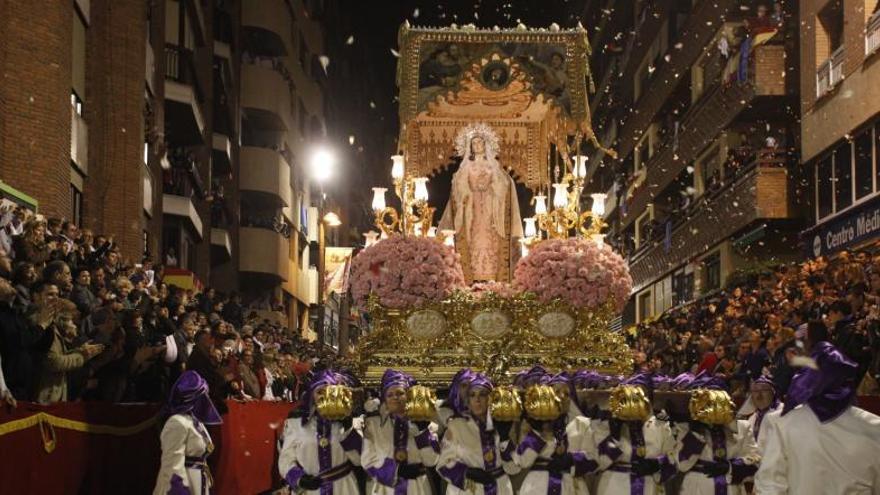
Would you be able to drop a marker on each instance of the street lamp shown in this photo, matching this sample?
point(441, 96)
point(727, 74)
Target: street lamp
point(332, 219)
point(322, 163)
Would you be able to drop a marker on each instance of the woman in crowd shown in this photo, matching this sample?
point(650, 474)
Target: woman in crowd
point(185, 441)
point(397, 452)
point(477, 455)
point(317, 454)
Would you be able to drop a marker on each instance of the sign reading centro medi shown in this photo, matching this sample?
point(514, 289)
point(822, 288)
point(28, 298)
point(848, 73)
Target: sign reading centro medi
point(855, 226)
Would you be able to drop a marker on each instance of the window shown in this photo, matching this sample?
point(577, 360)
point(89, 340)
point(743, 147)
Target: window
point(843, 190)
point(644, 303)
point(644, 227)
point(682, 287)
point(76, 205)
point(864, 164)
point(642, 152)
point(824, 183)
point(78, 65)
point(829, 30)
point(712, 272)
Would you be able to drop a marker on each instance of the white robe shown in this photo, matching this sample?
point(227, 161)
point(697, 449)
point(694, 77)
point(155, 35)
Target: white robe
point(537, 481)
point(581, 438)
point(462, 445)
point(739, 444)
point(378, 455)
point(658, 442)
point(299, 450)
point(182, 437)
point(770, 416)
point(806, 457)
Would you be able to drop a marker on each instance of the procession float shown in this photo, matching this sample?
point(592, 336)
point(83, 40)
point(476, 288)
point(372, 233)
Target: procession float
point(513, 270)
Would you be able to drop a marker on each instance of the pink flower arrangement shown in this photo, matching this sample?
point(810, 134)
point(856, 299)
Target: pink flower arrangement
point(577, 271)
point(405, 272)
point(504, 290)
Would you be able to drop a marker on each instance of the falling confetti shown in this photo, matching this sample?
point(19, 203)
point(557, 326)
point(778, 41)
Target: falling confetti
point(351, 140)
point(395, 53)
point(325, 61)
point(350, 40)
point(416, 13)
point(372, 104)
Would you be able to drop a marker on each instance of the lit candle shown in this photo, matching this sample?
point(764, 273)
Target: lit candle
point(417, 229)
point(560, 195)
point(598, 207)
point(599, 239)
point(448, 237)
point(540, 204)
point(530, 230)
point(432, 232)
point(524, 247)
point(397, 167)
point(370, 238)
point(421, 191)
point(580, 166)
point(379, 199)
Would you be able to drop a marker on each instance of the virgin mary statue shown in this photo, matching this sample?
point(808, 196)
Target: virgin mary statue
point(483, 208)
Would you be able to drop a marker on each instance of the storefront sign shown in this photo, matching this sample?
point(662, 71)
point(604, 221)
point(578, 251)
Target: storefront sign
point(853, 227)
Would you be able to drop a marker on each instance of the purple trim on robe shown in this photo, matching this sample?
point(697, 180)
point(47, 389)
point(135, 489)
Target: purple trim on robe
point(690, 446)
point(637, 439)
point(386, 473)
point(667, 468)
point(739, 470)
point(583, 465)
point(609, 448)
point(719, 441)
point(401, 443)
point(176, 486)
point(531, 441)
point(487, 445)
point(455, 474)
point(828, 391)
point(427, 439)
point(325, 453)
point(507, 453)
point(292, 477)
point(353, 441)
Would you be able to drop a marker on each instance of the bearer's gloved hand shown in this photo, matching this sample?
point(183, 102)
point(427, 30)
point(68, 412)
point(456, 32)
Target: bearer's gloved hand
point(478, 475)
point(561, 463)
point(409, 471)
point(645, 467)
point(719, 468)
point(503, 428)
point(309, 482)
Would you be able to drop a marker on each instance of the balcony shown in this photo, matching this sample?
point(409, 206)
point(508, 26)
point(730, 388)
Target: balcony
point(830, 72)
point(182, 206)
point(265, 173)
point(79, 141)
point(221, 246)
point(265, 97)
point(183, 120)
point(758, 192)
point(872, 34)
point(263, 252)
point(266, 27)
point(716, 109)
point(221, 155)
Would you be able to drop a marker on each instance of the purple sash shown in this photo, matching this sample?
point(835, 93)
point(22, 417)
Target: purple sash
point(490, 456)
point(719, 454)
point(554, 486)
point(325, 453)
point(401, 437)
point(637, 441)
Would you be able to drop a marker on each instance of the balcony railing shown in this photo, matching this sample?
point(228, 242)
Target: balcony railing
point(180, 67)
point(830, 72)
point(872, 34)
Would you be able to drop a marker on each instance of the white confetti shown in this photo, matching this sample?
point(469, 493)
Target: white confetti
point(325, 61)
point(416, 13)
point(372, 104)
point(395, 53)
point(350, 40)
point(351, 140)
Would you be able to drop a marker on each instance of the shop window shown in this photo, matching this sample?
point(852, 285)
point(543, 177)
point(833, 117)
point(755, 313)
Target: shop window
point(824, 181)
point(712, 272)
point(843, 189)
point(864, 164)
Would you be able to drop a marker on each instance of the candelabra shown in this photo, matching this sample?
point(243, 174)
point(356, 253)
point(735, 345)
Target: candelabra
point(566, 215)
point(415, 216)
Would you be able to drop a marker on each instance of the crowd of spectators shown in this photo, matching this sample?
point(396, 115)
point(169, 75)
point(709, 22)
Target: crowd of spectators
point(77, 322)
point(758, 324)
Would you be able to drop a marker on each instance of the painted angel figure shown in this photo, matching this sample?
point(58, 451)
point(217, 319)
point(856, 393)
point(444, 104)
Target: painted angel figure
point(483, 208)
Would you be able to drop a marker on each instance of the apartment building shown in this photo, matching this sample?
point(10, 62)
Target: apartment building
point(840, 105)
point(699, 99)
point(180, 126)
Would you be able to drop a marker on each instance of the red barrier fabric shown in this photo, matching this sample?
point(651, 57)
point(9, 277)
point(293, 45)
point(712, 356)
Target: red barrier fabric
point(126, 462)
point(123, 461)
